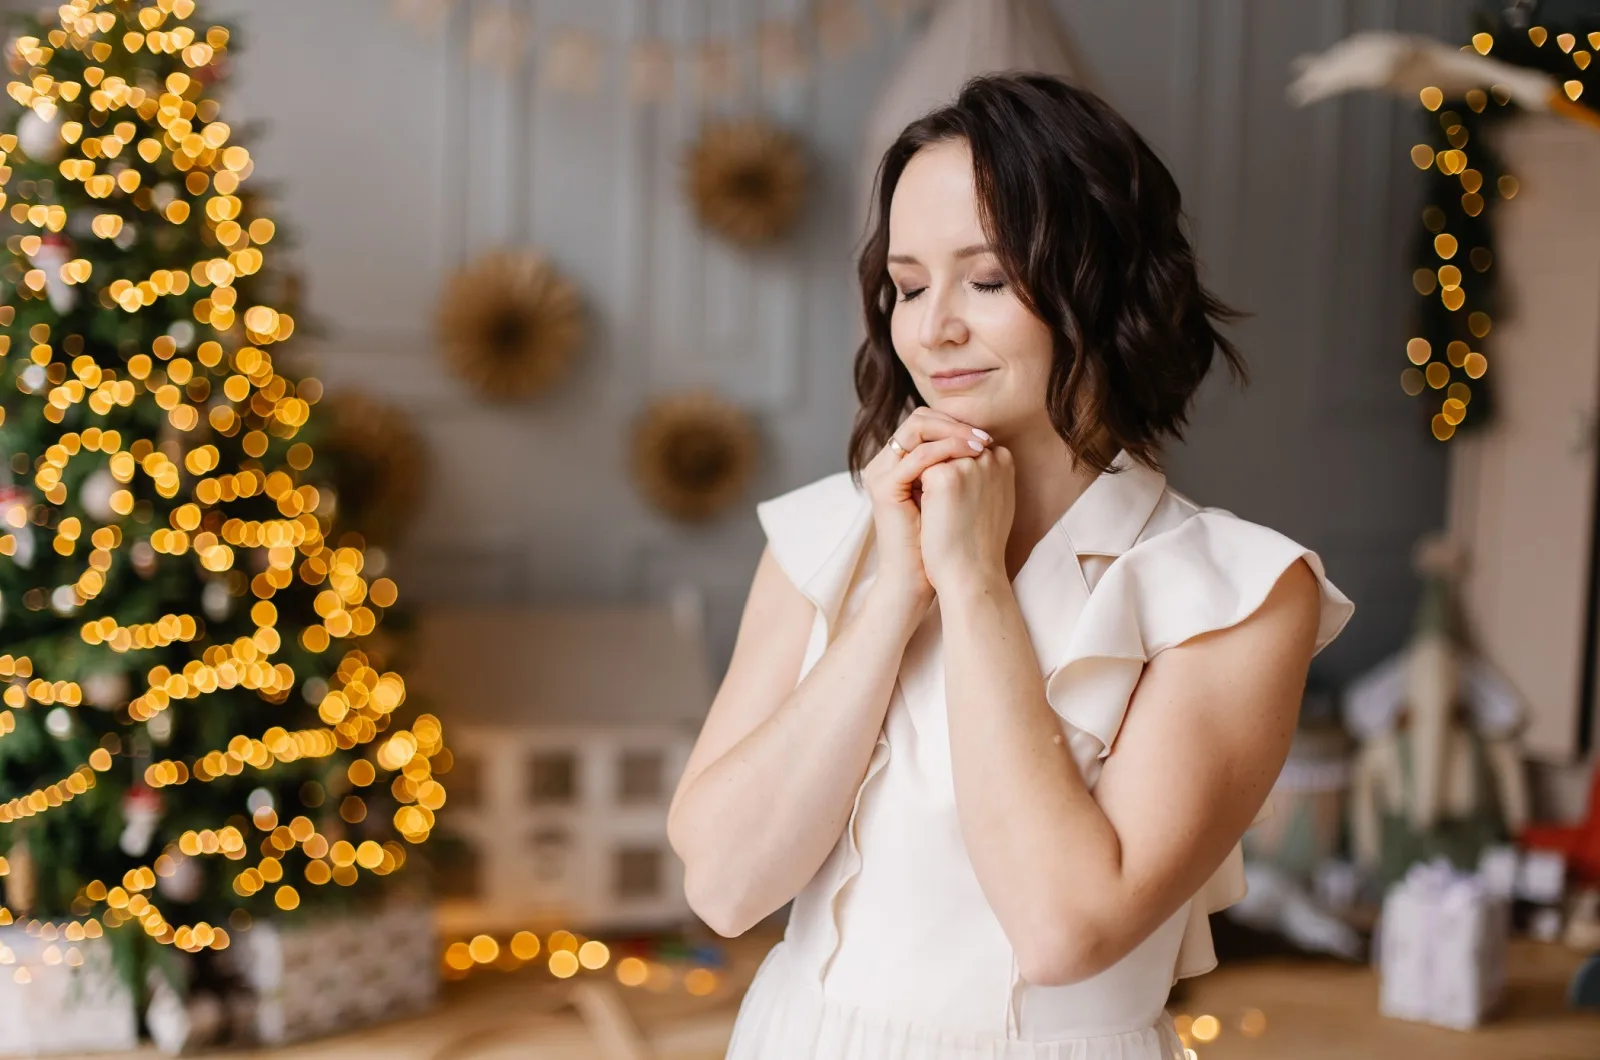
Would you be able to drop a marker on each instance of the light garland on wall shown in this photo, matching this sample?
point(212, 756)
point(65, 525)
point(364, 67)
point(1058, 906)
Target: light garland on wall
point(1455, 258)
point(574, 57)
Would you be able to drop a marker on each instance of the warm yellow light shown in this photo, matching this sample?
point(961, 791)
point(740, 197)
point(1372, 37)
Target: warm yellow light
point(700, 981)
point(631, 971)
point(563, 964)
point(483, 949)
point(525, 945)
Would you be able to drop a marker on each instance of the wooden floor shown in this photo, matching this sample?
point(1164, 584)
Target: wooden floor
point(1311, 1010)
point(1323, 1010)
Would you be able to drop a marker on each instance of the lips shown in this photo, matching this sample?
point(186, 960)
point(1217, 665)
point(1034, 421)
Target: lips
point(954, 380)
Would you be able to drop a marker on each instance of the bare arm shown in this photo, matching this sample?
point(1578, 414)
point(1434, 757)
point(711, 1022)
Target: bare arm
point(771, 780)
point(1079, 879)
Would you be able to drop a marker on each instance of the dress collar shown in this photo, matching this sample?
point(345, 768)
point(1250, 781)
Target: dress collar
point(1109, 515)
point(1105, 520)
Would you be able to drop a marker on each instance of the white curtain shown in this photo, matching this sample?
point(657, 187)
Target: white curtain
point(964, 38)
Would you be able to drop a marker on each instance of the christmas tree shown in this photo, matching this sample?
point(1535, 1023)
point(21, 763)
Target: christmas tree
point(199, 726)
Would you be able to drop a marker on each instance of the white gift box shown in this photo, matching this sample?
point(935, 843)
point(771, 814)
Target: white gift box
point(339, 972)
point(1441, 948)
point(62, 1006)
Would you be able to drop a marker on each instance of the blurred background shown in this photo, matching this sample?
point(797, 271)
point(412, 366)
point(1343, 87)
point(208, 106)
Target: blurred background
point(570, 287)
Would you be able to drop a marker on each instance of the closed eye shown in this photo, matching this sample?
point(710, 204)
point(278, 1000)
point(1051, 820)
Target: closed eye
point(987, 288)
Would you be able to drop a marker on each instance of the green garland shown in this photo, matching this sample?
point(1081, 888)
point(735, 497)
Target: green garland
point(1448, 353)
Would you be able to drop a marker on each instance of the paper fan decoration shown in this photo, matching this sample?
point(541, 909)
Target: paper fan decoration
point(747, 180)
point(510, 324)
point(377, 461)
point(1406, 64)
point(693, 454)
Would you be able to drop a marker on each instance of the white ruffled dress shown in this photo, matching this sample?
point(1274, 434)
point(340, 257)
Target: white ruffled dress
point(891, 951)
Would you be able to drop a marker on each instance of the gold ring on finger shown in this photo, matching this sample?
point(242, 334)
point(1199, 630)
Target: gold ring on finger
point(894, 443)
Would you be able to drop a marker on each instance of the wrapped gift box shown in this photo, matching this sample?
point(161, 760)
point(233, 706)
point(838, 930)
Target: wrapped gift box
point(334, 973)
point(58, 996)
point(1441, 948)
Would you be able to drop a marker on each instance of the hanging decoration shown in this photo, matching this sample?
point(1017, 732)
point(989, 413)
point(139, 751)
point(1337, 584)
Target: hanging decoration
point(502, 38)
point(510, 324)
point(693, 454)
point(1463, 91)
point(746, 180)
point(573, 64)
point(380, 465)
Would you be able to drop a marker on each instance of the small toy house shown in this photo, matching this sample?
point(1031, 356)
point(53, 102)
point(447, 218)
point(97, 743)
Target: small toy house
point(569, 729)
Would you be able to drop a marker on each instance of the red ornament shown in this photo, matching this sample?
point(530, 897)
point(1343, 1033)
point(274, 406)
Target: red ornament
point(1579, 843)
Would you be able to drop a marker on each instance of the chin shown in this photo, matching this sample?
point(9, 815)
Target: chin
point(968, 406)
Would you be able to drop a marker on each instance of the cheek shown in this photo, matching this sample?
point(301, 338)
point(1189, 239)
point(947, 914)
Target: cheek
point(1024, 339)
point(903, 330)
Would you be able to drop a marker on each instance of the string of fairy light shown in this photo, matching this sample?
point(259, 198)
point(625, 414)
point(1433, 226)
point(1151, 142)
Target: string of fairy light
point(1430, 368)
point(359, 706)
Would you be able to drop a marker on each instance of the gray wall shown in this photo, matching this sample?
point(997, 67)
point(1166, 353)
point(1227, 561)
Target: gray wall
point(398, 160)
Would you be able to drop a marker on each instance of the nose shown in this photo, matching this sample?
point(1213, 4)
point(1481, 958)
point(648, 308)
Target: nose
point(941, 319)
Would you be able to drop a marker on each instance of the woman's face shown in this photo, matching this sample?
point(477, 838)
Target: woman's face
point(972, 348)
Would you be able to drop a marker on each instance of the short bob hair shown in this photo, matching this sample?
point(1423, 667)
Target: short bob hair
point(1086, 224)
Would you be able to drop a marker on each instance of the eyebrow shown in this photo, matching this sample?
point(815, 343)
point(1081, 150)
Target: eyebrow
point(964, 252)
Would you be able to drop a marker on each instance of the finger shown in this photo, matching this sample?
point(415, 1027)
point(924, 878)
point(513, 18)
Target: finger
point(927, 426)
point(914, 463)
point(931, 423)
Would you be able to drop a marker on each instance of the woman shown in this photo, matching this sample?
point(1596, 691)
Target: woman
point(1002, 704)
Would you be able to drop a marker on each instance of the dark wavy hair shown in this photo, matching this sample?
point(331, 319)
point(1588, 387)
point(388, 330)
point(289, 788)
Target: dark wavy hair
point(1086, 223)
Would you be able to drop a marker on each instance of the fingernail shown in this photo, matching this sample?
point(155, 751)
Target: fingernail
point(982, 434)
point(975, 446)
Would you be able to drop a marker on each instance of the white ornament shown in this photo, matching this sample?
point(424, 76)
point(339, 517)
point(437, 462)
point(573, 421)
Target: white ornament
point(40, 138)
point(215, 600)
point(144, 558)
point(160, 727)
point(96, 494)
point(260, 799)
point(127, 237)
point(64, 599)
point(315, 690)
point(141, 809)
point(33, 377)
point(23, 556)
point(106, 690)
point(181, 332)
point(58, 723)
point(51, 255)
point(184, 884)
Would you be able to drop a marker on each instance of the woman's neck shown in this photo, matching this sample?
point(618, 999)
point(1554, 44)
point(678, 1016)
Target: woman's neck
point(1047, 484)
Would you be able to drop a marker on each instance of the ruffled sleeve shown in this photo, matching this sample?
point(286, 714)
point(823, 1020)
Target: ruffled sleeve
point(1208, 573)
point(818, 533)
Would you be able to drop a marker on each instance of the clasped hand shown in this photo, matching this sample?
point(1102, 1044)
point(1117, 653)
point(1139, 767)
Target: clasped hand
point(943, 508)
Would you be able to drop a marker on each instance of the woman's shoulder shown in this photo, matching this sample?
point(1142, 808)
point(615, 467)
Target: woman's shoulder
point(1196, 568)
point(815, 531)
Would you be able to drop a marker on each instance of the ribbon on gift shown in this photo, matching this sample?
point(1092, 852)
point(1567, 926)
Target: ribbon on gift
point(1438, 882)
